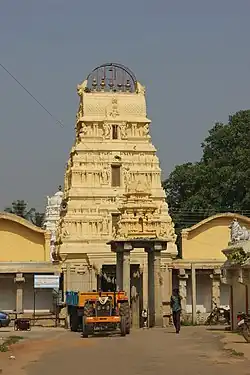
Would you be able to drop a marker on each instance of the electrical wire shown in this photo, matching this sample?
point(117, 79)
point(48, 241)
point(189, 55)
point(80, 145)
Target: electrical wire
point(36, 100)
point(32, 96)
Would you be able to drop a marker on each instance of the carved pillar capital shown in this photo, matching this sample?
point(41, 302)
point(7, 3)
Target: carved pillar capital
point(19, 278)
point(216, 274)
point(182, 274)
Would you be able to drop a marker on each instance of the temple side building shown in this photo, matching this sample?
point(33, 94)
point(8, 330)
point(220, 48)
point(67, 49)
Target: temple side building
point(25, 253)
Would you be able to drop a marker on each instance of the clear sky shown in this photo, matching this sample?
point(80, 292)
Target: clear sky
point(192, 55)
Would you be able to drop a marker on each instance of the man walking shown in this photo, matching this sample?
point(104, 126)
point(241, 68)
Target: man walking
point(175, 304)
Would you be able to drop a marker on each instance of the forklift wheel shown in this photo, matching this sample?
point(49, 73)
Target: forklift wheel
point(84, 328)
point(123, 325)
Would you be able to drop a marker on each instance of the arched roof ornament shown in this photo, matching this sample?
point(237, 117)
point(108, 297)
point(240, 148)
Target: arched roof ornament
point(21, 221)
point(230, 215)
point(112, 77)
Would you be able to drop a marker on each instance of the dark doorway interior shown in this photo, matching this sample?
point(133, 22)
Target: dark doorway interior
point(108, 278)
point(107, 282)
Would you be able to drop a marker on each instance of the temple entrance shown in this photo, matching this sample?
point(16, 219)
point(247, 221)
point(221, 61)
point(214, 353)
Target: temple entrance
point(107, 283)
point(108, 278)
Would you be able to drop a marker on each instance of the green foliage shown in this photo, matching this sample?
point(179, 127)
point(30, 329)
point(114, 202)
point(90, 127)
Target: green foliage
point(220, 181)
point(20, 208)
point(4, 347)
point(238, 257)
point(233, 352)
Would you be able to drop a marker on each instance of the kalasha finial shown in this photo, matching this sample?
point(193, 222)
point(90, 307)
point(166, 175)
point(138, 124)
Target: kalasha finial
point(128, 85)
point(111, 85)
point(103, 84)
point(94, 83)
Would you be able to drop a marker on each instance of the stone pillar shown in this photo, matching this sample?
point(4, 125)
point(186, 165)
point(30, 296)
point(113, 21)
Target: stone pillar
point(151, 296)
point(68, 281)
point(193, 278)
point(126, 273)
point(145, 285)
point(216, 281)
point(155, 288)
point(19, 280)
point(92, 279)
point(119, 271)
point(158, 289)
point(166, 293)
point(183, 289)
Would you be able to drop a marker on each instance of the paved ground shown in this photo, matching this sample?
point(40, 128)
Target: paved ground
point(146, 352)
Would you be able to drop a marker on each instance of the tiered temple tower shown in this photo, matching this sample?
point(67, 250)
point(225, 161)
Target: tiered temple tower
point(112, 151)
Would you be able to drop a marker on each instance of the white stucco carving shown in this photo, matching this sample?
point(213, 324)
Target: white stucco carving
point(52, 217)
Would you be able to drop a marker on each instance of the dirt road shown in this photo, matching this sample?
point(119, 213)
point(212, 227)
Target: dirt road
point(156, 351)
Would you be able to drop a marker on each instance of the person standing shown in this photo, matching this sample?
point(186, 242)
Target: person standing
point(175, 304)
point(144, 316)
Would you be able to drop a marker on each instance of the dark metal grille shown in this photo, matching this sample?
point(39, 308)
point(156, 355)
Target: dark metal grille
point(112, 77)
point(103, 310)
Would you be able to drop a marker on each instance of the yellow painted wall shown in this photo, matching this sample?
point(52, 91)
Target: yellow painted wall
point(207, 239)
point(20, 242)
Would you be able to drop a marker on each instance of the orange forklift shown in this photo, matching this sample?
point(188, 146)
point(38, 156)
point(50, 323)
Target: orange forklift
point(93, 312)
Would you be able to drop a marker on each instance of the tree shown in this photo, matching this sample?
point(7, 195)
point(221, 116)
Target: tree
point(220, 181)
point(19, 208)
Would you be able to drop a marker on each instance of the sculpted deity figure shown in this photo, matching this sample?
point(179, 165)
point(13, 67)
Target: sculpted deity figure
point(83, 129)
point(81, 87)
point(126, 175)
point(114, 111)
point(146, 130)
point(105, 176)
point(238, 233)
point(80, 111)
point(141, 89)
point(114, 232)
point(48, 201)
point(106, 130)
point(105, 224)
point(123, 130)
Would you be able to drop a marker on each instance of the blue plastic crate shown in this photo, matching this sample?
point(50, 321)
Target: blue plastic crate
point(72, 298)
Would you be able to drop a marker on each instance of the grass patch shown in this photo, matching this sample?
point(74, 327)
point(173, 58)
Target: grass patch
point(4, 347)
point(234, 353)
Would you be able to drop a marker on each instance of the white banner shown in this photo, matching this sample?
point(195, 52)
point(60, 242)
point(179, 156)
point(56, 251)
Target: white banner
point(46, 281)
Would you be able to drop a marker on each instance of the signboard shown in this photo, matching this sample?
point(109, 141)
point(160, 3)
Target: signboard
point(46, 281)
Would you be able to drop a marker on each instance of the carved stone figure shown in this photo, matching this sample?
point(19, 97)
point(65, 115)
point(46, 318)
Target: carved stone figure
point(141, 89)
point(106, 130)
point(146, 130)
point(105, 224)
point(105, 176)
point(114, 109)
point(238, 233)
point(163, 230)
point(81, 87)
point(65, 233)
point(83, 129)
point(126, 176)
point(123, 130)
point(80, 110)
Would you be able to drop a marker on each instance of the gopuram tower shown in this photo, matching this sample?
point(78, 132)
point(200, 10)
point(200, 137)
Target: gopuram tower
point(112, 153)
